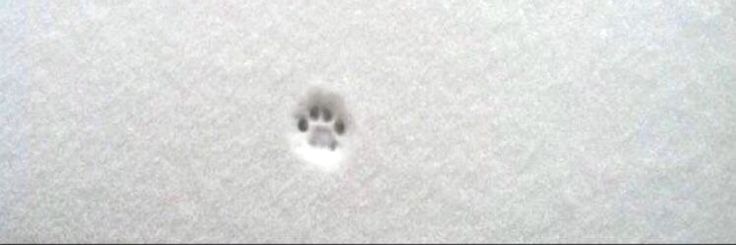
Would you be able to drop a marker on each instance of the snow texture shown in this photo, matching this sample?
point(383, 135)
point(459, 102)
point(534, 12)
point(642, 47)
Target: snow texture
point(473, 121)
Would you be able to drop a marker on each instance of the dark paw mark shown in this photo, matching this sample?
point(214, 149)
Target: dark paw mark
point(321, 129)
point(314, 113)
point(326, 115)
point(303, 125)
point(339, 127)
point(323, 119)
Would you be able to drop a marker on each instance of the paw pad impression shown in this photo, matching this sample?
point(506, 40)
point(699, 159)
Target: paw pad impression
point(321, 126)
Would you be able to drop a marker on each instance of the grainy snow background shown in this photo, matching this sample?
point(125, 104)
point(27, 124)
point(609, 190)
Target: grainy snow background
point(480, 121)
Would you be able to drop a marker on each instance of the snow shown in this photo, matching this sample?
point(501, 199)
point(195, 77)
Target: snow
point(475, 121)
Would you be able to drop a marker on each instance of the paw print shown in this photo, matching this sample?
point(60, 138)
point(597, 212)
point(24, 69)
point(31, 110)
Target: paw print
point(322, 126)
point(321, 129)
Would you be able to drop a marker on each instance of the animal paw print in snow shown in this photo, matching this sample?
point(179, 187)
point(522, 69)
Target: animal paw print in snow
point(322, 129)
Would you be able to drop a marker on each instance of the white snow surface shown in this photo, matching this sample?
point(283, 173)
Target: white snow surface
point(474, 121)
